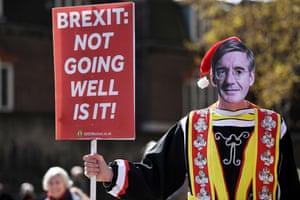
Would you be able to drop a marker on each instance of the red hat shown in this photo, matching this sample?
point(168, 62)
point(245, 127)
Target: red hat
point(205, 65)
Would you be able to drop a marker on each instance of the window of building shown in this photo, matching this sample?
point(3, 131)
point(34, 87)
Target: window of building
point(195, 26)
point(62, 3)
point(1, 10)
point(6, 87)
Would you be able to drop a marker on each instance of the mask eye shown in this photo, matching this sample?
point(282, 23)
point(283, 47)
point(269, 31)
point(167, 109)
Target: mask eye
point(239, 72)
point(221, 73)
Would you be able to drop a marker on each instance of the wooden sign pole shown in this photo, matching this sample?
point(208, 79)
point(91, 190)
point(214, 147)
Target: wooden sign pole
point(93, 179)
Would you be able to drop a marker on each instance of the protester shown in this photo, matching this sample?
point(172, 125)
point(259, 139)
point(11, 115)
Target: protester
point(58, 185)
point(3, 194)
point(231, 150)
point(27, 191)
point(78, 178)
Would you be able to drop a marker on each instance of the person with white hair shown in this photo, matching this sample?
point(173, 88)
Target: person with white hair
point(27, 191)
point(58, 185)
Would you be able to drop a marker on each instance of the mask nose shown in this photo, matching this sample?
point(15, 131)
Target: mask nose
point(230, 77)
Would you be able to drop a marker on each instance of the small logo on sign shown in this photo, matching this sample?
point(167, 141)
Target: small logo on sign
point(79, 133)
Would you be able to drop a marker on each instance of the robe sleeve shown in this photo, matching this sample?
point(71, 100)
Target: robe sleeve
point(159, 174)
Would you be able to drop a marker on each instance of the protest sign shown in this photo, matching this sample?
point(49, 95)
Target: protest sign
point(94, 62)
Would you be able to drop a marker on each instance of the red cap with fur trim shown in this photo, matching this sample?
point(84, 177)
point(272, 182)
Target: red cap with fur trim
point(205, 65)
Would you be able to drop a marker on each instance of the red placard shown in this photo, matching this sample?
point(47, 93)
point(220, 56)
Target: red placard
point(94, 71)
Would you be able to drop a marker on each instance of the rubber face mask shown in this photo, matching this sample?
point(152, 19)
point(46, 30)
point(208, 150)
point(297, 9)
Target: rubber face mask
point(232, 77)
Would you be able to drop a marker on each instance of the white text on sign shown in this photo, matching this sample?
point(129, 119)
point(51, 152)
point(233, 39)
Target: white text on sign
point(92, 18)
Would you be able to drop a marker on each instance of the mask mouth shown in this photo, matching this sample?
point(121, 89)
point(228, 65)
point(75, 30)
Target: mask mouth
point(229, 90)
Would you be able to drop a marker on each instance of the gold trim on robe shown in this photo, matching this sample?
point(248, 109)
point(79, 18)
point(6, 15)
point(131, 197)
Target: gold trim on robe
point(205, 166)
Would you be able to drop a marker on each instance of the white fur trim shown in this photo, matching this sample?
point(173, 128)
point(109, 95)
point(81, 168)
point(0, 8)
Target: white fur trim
point(203, 82)
point(121, 179)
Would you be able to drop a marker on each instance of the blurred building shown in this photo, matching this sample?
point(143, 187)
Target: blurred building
point(165, 86)
point(27, 134)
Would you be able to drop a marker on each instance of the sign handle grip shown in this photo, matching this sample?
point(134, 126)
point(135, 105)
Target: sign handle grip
point(93, 178)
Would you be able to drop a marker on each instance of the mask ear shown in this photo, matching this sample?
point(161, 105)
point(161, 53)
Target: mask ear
point(252, 78)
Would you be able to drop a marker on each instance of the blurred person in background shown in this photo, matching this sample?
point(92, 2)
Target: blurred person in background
point(3, 194)
point(78, 178)
point(27, 191)
point(58, 186)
